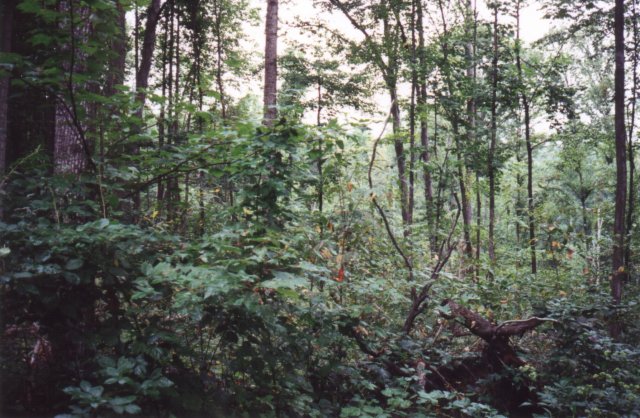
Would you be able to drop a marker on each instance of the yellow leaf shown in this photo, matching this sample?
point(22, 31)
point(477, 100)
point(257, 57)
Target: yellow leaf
point(247, 211)
point(326, 253)
point(154, 214)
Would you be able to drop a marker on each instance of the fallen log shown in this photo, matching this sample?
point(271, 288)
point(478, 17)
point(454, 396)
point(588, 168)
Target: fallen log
point(499, 351)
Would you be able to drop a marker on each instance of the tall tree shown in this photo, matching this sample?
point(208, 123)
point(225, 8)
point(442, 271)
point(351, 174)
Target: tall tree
point(617, 258)
point(383, 51)
point(146, 56)
point(526, 106)
point(424, 132)
point(631, 116)
point(453, 107)
point(271, 63)
point(5, 47)
point(72, 151)
point(492, 145)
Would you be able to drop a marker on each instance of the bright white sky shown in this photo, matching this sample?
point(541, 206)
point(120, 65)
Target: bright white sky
point(532, 22)
point(533, 27)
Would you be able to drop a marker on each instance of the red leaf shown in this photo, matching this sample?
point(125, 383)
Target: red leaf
point(340, 277)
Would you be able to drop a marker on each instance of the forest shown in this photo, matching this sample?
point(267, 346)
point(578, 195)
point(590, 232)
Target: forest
point(319, 208)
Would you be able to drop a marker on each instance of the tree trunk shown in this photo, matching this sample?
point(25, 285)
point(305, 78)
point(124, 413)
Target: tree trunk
point(412, 115)
point(527, 137)
point(271, 64)
point(143, 69)
point(424, 134)
point(400, 157)
point(631, 156)
point(146, 56)
point(617, 259)
point(492, 146)
point(471, 113)
point(219, 51)
point(71, 148)
point(5, 82)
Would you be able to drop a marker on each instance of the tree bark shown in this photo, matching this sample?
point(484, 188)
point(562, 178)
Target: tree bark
point(5, 82)
point(424, 133)
point(471, 117)
point(529, 146)
point(492, 146)
point(631, 156)
point(617, 259)
point(271, 64)
point(218, 10)
point(71, 148)
point(146, 55)
point(467, 212)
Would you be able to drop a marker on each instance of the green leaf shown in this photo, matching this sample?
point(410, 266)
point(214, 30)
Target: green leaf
point(74, 264)
point(285, 280)
point(102, 223)
point(132, 409)
point(122, 400)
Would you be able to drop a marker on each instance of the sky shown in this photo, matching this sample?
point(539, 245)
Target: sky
point(533, 27)
point(532, 22)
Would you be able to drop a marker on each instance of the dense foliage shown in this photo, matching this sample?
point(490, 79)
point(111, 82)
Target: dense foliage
point(166, 252)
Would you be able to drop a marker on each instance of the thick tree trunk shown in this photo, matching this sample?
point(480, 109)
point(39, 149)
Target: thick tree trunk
point(71, 147)
point(146, 55)
point(143, 69)
point(271, 64)
point(617, 259)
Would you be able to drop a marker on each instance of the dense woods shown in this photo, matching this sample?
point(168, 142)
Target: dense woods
point(376, 208)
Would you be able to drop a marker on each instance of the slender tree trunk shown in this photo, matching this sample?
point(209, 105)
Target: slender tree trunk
point(162, 120)
point(5, 82)
point(412, 115)
point(492, 146)
point(467, 211)
point(527, 137)
point(320, 155)
point(170, 107)
point(424, 133)
point(271, 64)
point(617, 259)
point(474, 133)
point(632, 117)
point(400, 157)
point(519, 204)
point(219, 51)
